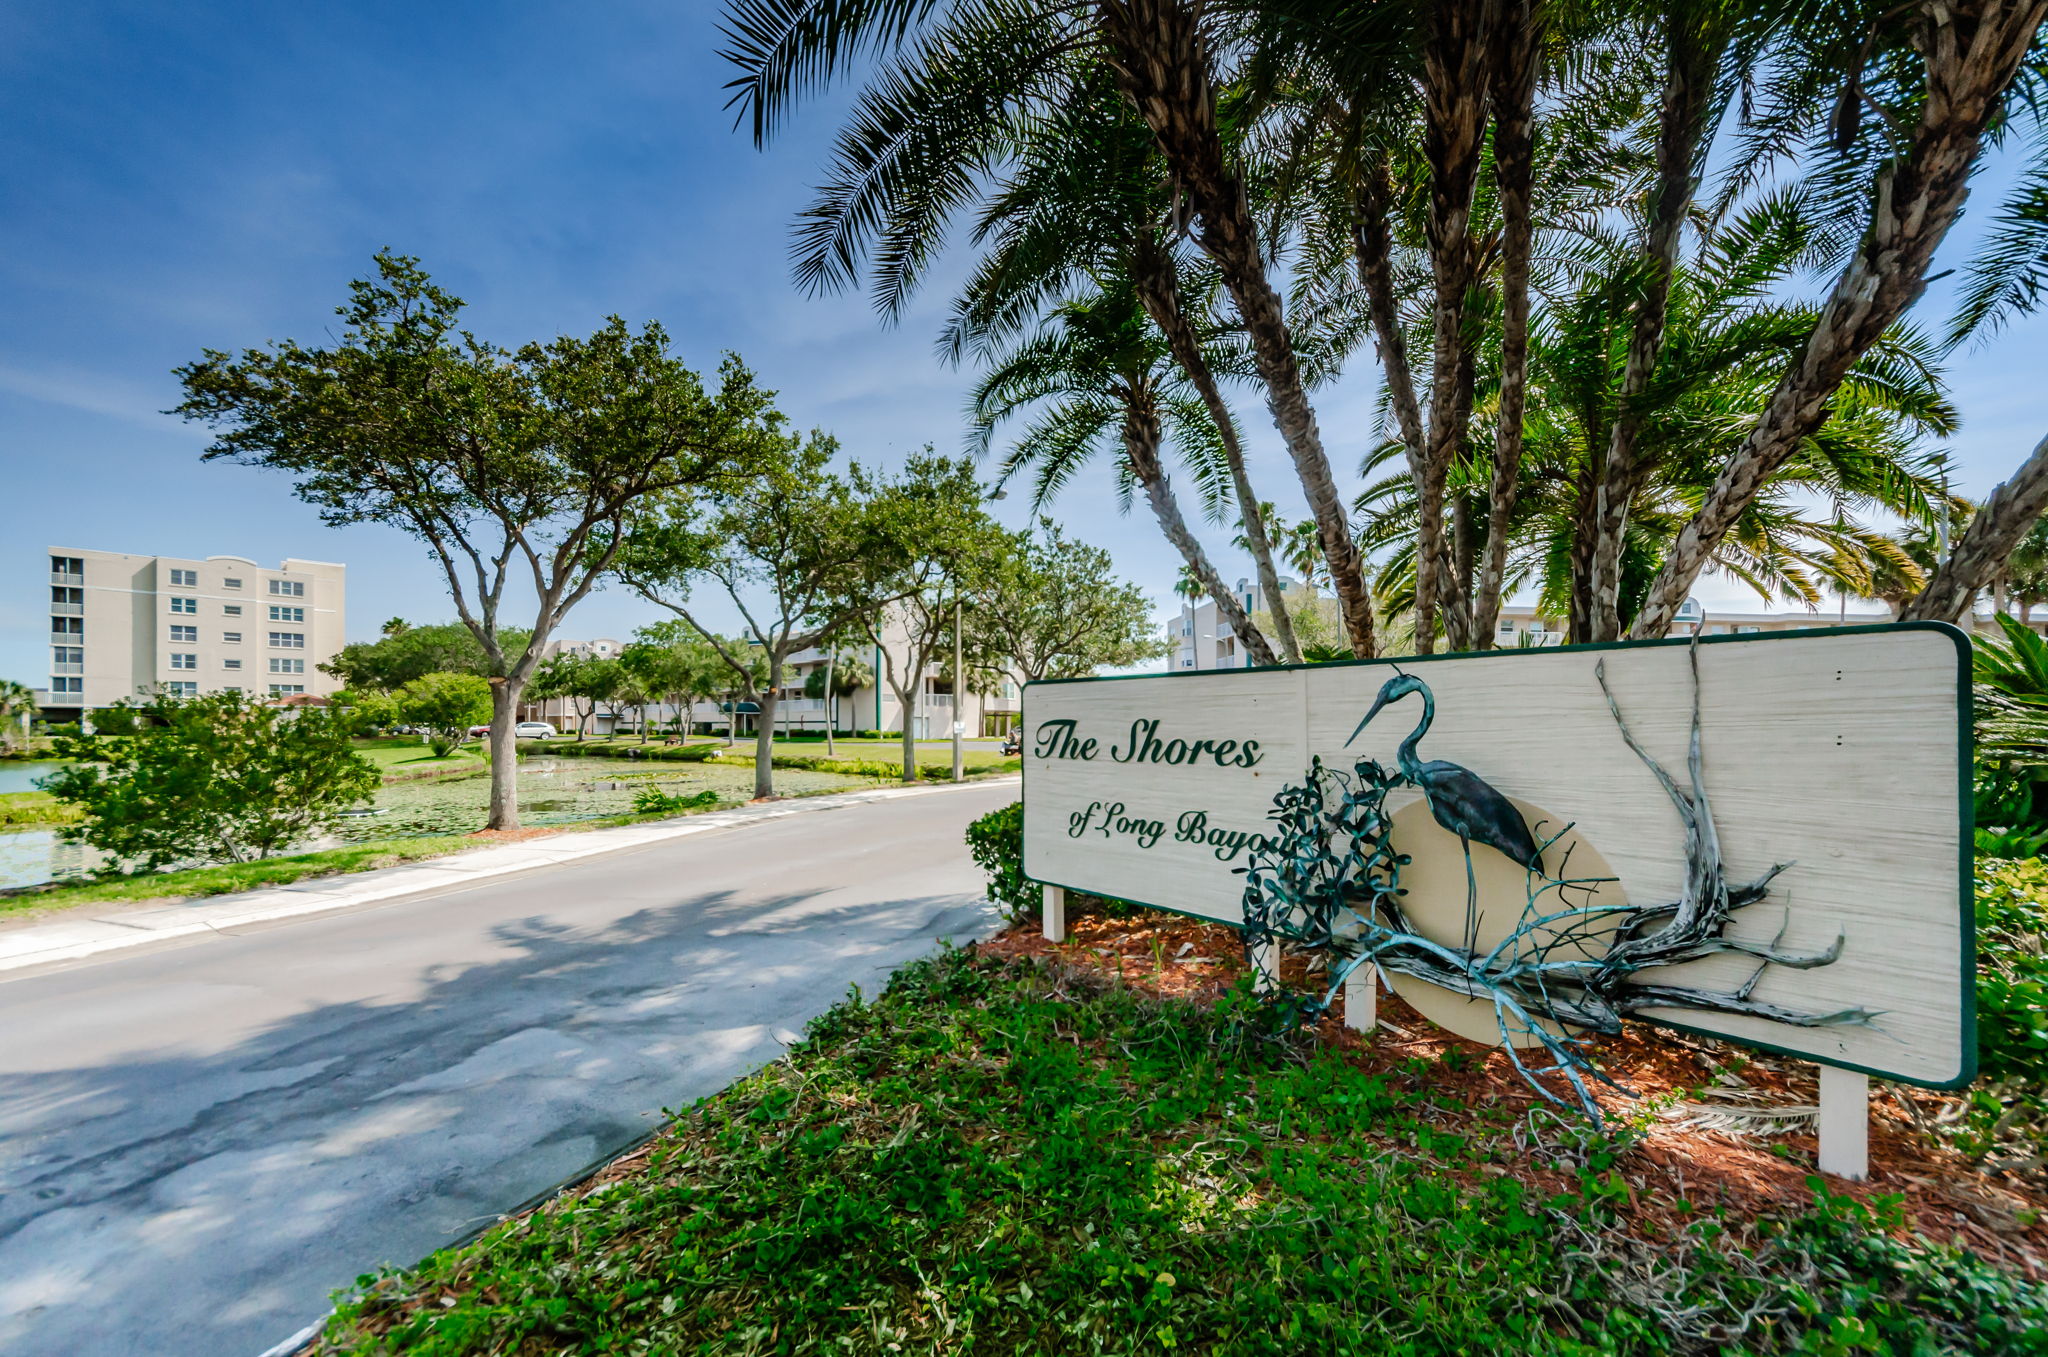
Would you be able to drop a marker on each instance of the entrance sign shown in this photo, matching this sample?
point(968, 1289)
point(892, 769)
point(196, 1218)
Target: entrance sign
point(1832, 784)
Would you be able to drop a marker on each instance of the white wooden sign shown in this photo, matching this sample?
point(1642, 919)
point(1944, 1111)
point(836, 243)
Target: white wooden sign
point(1843, 753)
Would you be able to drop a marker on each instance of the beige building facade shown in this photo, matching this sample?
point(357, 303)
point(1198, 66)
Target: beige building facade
point(123, 625)
point(875, 706)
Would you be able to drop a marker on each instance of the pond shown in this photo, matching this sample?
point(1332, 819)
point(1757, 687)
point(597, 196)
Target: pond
point(551, 792)
point(19, 775)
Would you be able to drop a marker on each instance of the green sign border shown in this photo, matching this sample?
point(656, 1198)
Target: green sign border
point(1965, 802)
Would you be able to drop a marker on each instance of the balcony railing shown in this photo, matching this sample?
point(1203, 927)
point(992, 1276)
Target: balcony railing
point(65, 638)
point(67, 578)
point(67, 669)
point(67, 609)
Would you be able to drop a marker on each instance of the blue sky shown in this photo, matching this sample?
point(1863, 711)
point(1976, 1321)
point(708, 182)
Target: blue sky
point(174, 176)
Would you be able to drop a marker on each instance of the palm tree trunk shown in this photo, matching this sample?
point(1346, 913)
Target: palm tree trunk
point(1980, 554)
point(1159, 291)
point(1157, 51)
point(1141, 444)
point(1514, 161)
point(1691, 59)
point(1373, 247)
point(1971, 49)
point(1457, 71)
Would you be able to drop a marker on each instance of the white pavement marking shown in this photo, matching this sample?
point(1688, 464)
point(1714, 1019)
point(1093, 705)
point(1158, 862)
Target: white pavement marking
point(75, 938)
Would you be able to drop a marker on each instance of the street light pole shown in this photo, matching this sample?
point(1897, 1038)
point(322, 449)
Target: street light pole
point(959, 690)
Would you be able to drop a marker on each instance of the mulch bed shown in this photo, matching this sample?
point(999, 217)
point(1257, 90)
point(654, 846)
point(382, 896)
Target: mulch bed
point(1943, 1195)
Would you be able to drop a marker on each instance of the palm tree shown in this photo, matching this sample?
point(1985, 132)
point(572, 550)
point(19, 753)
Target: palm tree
point(1716, 364)
point(1100, 373)
point(1088, 196)
point(17, 709)
point(969, 84)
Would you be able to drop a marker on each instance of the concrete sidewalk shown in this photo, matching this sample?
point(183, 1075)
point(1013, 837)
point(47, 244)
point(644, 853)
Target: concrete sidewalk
point(90, 931)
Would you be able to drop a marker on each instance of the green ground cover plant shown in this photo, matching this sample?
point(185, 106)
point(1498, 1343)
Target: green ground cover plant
point(1010, 1157)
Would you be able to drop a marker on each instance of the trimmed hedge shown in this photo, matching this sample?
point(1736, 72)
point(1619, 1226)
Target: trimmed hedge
point(667, 753)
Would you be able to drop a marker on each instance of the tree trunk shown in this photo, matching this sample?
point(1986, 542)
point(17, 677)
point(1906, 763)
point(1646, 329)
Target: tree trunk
point(764, 730)
point(1157, 51)
point(504, 754)
point(1457, 70)
point(1141, 443)
point(906, 698)
point(1971, 49)
point(1980, 554)
point(1579, 623)
point(1159, 290)
point(1514, 160)
point(1691, 59)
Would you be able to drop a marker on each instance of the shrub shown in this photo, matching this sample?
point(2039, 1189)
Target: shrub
point(996, 842)
point(655, 801)
point(223, 777)
point(677, 753)
point(2012, 969)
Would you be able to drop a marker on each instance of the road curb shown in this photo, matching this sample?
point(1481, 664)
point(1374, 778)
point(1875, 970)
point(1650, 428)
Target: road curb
point(82, 937)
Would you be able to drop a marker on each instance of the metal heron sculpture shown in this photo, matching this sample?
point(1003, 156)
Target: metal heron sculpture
point(1459, 799)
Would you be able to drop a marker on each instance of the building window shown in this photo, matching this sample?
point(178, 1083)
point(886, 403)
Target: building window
point(286, 689)
point(1507, 626)
point(181, 688)
point(231, 583)
point(233, 638)
point(67, 600)
point(232, 688)
point(67, 565)
point(184, 579)
point(288, 640)
point(61, 627)
point(67, 660)
point(231, 609)
point(188, 635)
point(185, 605)
point(1744, 631)
point(62, 686)
point(231, 664)
point(278, 614)
point(287, 666)
point(288, 588)
point(181, 660)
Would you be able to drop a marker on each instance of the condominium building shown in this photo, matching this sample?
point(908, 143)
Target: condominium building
point(123, 625)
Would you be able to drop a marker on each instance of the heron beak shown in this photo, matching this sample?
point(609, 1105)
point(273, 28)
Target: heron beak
point(1379, 702)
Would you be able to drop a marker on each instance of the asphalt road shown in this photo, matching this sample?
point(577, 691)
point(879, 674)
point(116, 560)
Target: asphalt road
point(199, 1144)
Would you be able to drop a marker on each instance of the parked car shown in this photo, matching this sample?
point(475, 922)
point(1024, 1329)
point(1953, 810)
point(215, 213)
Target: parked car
point(534, 730)
point(478, 732)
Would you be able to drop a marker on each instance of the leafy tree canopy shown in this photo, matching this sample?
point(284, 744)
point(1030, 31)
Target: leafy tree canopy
point(409, 652)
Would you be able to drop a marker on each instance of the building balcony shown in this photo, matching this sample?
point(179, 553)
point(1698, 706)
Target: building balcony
point(67, 579)
point(67, 609)
point(67, 669)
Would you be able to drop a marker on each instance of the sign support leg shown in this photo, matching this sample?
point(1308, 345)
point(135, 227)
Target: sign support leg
point(1361, 998)
point(1265, 959)
point(1054, 914)
point(1844, 1123)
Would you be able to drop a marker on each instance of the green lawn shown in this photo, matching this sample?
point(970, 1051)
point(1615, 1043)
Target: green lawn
point(999, 1158)
point(36, 808)
point(405, 756)
point(240, 876)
